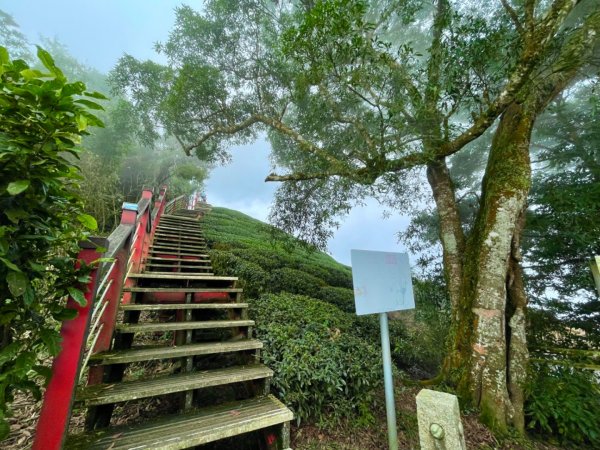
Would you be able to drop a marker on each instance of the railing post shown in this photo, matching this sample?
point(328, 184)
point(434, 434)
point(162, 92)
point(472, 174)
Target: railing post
point(129, 217)
point(58, 398)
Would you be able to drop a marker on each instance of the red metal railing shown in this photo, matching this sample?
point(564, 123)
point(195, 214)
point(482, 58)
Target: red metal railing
point(92, 330)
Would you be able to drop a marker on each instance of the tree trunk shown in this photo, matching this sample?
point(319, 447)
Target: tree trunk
point(493, 298)
point(452, 235)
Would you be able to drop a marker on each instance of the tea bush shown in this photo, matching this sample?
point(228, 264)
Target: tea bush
point(341, 297)
point(322, 370)
point(564, 402)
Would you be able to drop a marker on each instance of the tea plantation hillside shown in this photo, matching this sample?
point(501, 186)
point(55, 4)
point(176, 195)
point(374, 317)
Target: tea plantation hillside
point(326, 359)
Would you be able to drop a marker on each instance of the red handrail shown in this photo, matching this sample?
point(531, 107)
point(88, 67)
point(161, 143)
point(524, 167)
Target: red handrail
point(127, 248)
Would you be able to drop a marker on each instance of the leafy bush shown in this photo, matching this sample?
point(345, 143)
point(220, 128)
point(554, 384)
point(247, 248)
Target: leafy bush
point(322, 369)
point(295, 282)
point(564, 402)
point(41, 215)
point(341, 297)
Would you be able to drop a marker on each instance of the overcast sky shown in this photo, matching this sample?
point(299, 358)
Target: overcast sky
point(98, 32)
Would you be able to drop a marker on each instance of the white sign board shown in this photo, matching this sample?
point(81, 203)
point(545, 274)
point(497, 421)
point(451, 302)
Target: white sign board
point(382, 282)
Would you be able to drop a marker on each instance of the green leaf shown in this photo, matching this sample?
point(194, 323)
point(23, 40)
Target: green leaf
point(28, 296)
point(49, 63)
point(89, 104)
point(82, 122)
point(16, 214)
point(65, 314)
point(97, 95)
point(4, 59)
point(30, 74)
point(44, 371)
point(88, 221)
point(77, 295)
point(4, 428)
point(52, 341)
point(16, 187)
point(17, 283)
point(10, 265)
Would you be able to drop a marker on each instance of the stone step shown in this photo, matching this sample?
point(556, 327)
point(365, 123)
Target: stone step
point(102, 394)
point(148, 354)
point(176, 306)
point(183, 325)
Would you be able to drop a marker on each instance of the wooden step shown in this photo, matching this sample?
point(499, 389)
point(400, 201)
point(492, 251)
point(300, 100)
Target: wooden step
point(173, 306)
point(102, 394)
point(176, 253)
point(188, 430)
point(148, 354)
point(164, 246)
point(158, 272)
point(179, 276)
point(203, 259)
point(186, 237)
point(181, 289)
point(183, 325)
point(178, 265)
point(179, 227)
point(174, 217)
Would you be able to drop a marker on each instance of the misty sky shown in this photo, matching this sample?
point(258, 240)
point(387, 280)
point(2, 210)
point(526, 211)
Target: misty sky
point(98, 32)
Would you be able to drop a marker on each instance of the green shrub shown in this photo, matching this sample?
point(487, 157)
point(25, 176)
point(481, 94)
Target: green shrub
point(253, 279)
point(43, 117)
point(295, 282)
point(322, 370)
point(341, 297)
point(564, 402)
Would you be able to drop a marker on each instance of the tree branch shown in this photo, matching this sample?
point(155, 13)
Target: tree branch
point(513, 16)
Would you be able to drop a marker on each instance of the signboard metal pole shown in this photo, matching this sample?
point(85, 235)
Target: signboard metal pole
point(390, 405)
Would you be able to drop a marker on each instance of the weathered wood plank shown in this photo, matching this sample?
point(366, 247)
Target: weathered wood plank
point(148, 354)
point(102, 394)
point(184, 325)
point(174, 306)
point(188, 430)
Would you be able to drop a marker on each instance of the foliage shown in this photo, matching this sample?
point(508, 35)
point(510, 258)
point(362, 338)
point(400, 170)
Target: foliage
point(244, 247)
point(41, 214)
point(313, 352)
point(13, 39)
point(564, 402)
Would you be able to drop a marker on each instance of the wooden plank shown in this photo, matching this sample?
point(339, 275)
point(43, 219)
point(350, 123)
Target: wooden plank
point(170, 252)
point(183, 219)
point(184, 325)
point(188, 430)
point(175, 306)
point(178, 265)
point(102, 394)
point(204, 258)
point(148, 354)
point(158, 272)
point(180, 289)
point(178, 276)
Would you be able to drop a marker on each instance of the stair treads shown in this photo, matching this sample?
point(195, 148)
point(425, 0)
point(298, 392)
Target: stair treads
point(176, 253)
point(102, 394)
point(181, 289)
point(158, 272)
point(176, 217)
point(188, 430)
point(177, 265)
point(172, 306)
point(183, 325)
point(178, 276)
point(175, 246)
point(204, 259)
point(148, 354)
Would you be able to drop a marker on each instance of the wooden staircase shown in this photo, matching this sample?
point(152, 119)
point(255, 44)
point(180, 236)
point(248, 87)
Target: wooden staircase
point(181, 315)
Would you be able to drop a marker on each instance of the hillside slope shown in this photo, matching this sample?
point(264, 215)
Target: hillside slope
point(326, 359)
